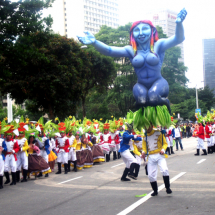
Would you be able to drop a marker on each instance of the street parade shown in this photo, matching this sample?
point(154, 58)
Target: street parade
point(103, 109)
point(32, 150)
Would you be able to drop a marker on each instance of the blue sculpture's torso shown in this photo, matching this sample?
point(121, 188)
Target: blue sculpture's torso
point(147, 67)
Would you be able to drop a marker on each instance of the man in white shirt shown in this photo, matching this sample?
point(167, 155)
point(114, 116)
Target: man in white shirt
point(177, 137)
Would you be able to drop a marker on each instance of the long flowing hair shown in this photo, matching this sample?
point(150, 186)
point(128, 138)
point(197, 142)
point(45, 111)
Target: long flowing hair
point(153, 37)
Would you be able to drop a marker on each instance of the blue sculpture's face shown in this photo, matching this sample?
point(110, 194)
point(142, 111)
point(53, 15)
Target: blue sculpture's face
point(142, 33)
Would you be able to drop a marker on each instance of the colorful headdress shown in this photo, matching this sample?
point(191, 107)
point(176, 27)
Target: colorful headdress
point(154, 35)
point(106, 126)
point(92, 129)
point(120, 122)
point(62, 127)
point(43, 127)
point(32, 135)
point(21, 127)
point(10, 130)
point(129, 120)
point(40, 125)
point(96, 124)
point(3, 127)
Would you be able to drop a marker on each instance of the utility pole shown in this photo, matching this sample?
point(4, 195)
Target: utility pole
point(197, 101)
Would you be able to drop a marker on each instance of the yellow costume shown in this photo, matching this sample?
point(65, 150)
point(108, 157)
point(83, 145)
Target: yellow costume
point(154, 143)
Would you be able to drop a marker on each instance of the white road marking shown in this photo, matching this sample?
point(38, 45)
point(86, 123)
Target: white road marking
point(70, 180)
point(117, 165)
point(202, 160)
point(145, 198)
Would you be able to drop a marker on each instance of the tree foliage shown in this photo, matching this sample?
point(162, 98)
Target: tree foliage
point(187, 108)
point(20, 18)
point(46, 69)
point(187, 105)
point(100, 75)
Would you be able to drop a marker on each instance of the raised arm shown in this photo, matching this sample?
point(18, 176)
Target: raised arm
point(164, 44)
point(112, 51)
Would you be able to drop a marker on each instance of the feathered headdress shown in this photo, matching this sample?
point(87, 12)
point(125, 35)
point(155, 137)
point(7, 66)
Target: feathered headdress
point(129, 120)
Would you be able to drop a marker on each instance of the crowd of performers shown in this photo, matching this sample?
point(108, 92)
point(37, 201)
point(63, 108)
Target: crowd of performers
point(34, 149)
point(205, 131)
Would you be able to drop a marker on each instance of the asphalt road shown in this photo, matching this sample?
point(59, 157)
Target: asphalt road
point(98, 190)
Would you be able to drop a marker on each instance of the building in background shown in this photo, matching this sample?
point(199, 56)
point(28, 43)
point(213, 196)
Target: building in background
point(166, 19)
point(73, 17)
point(209, 62)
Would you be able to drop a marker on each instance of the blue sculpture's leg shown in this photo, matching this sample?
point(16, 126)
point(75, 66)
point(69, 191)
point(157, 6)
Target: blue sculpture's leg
point(158, 92)
point(140, 93)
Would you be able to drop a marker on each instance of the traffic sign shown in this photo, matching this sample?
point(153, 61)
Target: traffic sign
point(198, 111)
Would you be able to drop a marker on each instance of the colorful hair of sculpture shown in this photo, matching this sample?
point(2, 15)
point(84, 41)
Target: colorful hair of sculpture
point(154, 35)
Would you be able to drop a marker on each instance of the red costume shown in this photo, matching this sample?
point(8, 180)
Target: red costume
point(201, 133)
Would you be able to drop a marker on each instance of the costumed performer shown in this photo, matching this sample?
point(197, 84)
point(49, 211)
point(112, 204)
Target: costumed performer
point(36, 163)
point(137, 145)
point(62, 144)
point(87, 152)
point(98, 155)
point(22, 154)
point(154, 144)
point(201, 137)
point(72, 147)
point(43, 142)
point(128, 158)
point(53, 154)
point(105, 140)
point(11, 148)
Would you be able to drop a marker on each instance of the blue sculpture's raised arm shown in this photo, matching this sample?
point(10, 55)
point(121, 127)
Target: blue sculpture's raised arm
point(112, 51)
point(164, 44)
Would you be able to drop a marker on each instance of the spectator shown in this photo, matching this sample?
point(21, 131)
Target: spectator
point(187, 130)
point(182, 130)
point(177, 137)
point(192, 130)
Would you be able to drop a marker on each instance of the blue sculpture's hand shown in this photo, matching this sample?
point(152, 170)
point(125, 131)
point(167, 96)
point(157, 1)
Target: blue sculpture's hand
point(88, 39)
point(181, 16)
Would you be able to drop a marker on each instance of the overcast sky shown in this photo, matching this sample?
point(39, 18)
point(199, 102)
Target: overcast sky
point(199, 24)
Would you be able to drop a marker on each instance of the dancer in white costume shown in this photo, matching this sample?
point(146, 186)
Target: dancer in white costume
point(22, 155)
point(154, 144)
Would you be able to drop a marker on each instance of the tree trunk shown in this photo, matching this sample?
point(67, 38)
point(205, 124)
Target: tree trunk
point(51, 113)
point(83, 106)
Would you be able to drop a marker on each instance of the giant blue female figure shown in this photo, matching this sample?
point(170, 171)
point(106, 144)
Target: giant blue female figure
point(146, 53)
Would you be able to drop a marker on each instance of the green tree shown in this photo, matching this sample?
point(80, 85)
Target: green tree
point(97, 106)
point(46, 69)
point(187, 105)
point(20, 18)
point(187, 108)
point(3, 112)
point(101, 73)
point(206, 95)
